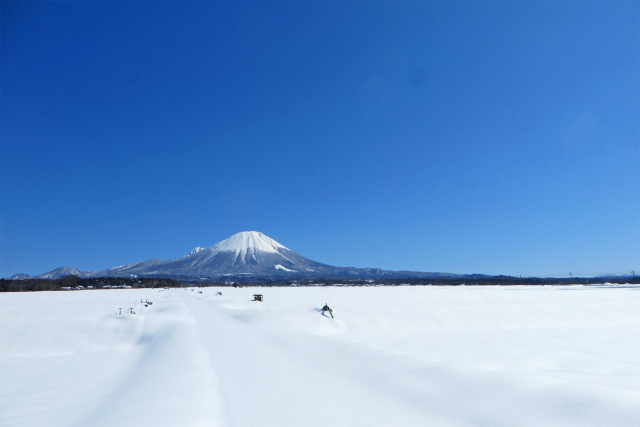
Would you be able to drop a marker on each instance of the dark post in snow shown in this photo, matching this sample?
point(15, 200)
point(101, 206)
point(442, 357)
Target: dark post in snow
point(326, 308)
point(119, 311)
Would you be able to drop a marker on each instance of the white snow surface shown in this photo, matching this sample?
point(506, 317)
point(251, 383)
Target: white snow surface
point(392, 356)
point(282, 267)
point(196, 250)
point(248, 242)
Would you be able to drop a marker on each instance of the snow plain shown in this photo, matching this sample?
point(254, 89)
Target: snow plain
point(393, 356)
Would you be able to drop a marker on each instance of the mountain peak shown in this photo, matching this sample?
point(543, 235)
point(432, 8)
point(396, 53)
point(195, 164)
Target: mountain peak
point(196, 250)
point(61, 272)
point(248, 242)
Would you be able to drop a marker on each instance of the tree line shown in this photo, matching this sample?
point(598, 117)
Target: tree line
point(86, 282)
point(72, 282)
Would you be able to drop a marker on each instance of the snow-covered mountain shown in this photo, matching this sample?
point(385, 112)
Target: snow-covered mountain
point(249, 255)
point(63, 271)
point(196, 250)
point(20, 276)
point(248, 252)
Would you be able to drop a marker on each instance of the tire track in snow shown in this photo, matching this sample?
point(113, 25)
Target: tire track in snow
point(273, 375)
point(267, 380)
point(171, 382)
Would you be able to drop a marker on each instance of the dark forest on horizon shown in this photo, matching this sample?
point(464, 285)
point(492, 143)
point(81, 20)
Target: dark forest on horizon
point(92, 283)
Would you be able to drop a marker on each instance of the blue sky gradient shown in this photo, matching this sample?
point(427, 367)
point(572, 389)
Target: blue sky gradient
point(463, 137)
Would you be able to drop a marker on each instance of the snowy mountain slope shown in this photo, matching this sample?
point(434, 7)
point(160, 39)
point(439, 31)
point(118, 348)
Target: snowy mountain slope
point(63, 271)
point(125, 269)
point(196, 250)
point(249, 254)
point(20, 276)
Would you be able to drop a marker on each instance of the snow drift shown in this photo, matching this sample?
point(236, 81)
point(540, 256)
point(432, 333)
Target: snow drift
point(393, 356)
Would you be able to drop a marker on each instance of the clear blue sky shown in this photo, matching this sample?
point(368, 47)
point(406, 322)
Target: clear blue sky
point(464, 137)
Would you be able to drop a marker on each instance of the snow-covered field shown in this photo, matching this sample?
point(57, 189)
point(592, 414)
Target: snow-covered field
point(401, 356)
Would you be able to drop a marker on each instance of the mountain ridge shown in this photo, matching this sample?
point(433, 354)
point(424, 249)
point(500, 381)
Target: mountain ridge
point(251, 255)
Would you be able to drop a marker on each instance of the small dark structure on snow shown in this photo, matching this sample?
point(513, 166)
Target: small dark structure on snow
point(257, 297)
point(326, 308)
